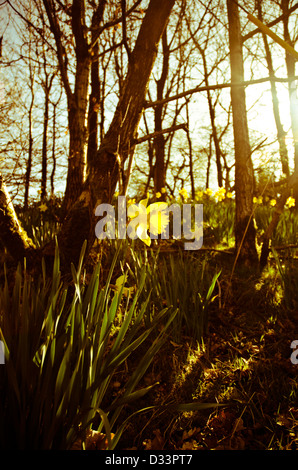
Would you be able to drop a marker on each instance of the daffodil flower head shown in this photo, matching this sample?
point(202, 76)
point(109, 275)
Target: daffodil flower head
point(208, 192)
point(43, 207)
point(159, 217)
point(183, 193)
point(290, 202)
point(257, 200)
point(220, 194)
point(131, 201)
point(154, 217)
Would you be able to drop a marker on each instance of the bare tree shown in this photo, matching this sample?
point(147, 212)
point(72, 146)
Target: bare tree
point(120, 138)
point(244, 178)
point(281, 134)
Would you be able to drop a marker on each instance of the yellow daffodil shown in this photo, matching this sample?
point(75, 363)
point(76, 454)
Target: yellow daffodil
point(272, 202)
point(257, 200)
point(199, 194)
point(159, 217)
point(290, 202)
point(43, 207)
point(163, 190)
point(183, 193)
point(229, 195)
point(158, 195)
point(220, 194)
point(154, 217)
point(208, 192)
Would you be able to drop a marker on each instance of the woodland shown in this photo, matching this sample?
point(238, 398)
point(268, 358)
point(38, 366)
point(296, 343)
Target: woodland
point(146, 343)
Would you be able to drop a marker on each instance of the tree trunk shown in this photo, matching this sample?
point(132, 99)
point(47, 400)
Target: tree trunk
point(77, 118)
point(94, 103)
point(44, 160)
point(76, 100)
point(211, 107)
point(103, 168)
point(30, 150)
point(244, 226)
point(13, 237)
point(281, 134)
point(53, 152)
point(290, 64)
point(159, 140)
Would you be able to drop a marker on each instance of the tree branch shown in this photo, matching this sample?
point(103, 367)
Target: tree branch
point(269, 25)
point(198, 89)
point(124, 36)
point(61, 53)
point(163, 131)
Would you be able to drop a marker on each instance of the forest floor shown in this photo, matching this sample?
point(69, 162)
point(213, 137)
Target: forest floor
point(243, 365)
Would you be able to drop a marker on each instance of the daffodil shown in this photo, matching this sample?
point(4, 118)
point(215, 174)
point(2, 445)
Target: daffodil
point(257, 200)
point(183, 193)
point(154, 217)
point(43, 207)
point(208, 192)
point(159, 217)
point(290, 202)
point(199, 194)
point(220, 194)
point(229, 195)
point(120, 286)
point(163, 190)
point(131, 201)
point(272, 202)
point(158, 195)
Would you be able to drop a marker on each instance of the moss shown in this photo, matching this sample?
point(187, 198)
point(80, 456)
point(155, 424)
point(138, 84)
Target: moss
point(13, 236)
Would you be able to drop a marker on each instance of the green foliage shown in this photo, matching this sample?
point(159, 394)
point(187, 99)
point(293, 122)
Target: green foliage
point(289, 279)
point(41, 220)
point(185, 285)
point(219, 216)
point(62, 348)
point(286, 231)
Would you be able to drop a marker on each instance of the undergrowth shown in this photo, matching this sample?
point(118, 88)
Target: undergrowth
point(152, 348)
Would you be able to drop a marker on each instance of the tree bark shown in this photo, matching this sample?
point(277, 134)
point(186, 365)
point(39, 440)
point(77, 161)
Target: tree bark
point(290, 64)
point(281, 134)
point(244, 226)
point(159, 140)
point(13, 236)
point(30, 137)
point(77, 99)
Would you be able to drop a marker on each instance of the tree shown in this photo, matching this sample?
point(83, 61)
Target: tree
point(103, 170)
point(244, 178)
point(118, 142)
point(77, 98)
point(281, 134)
point(290, 65)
